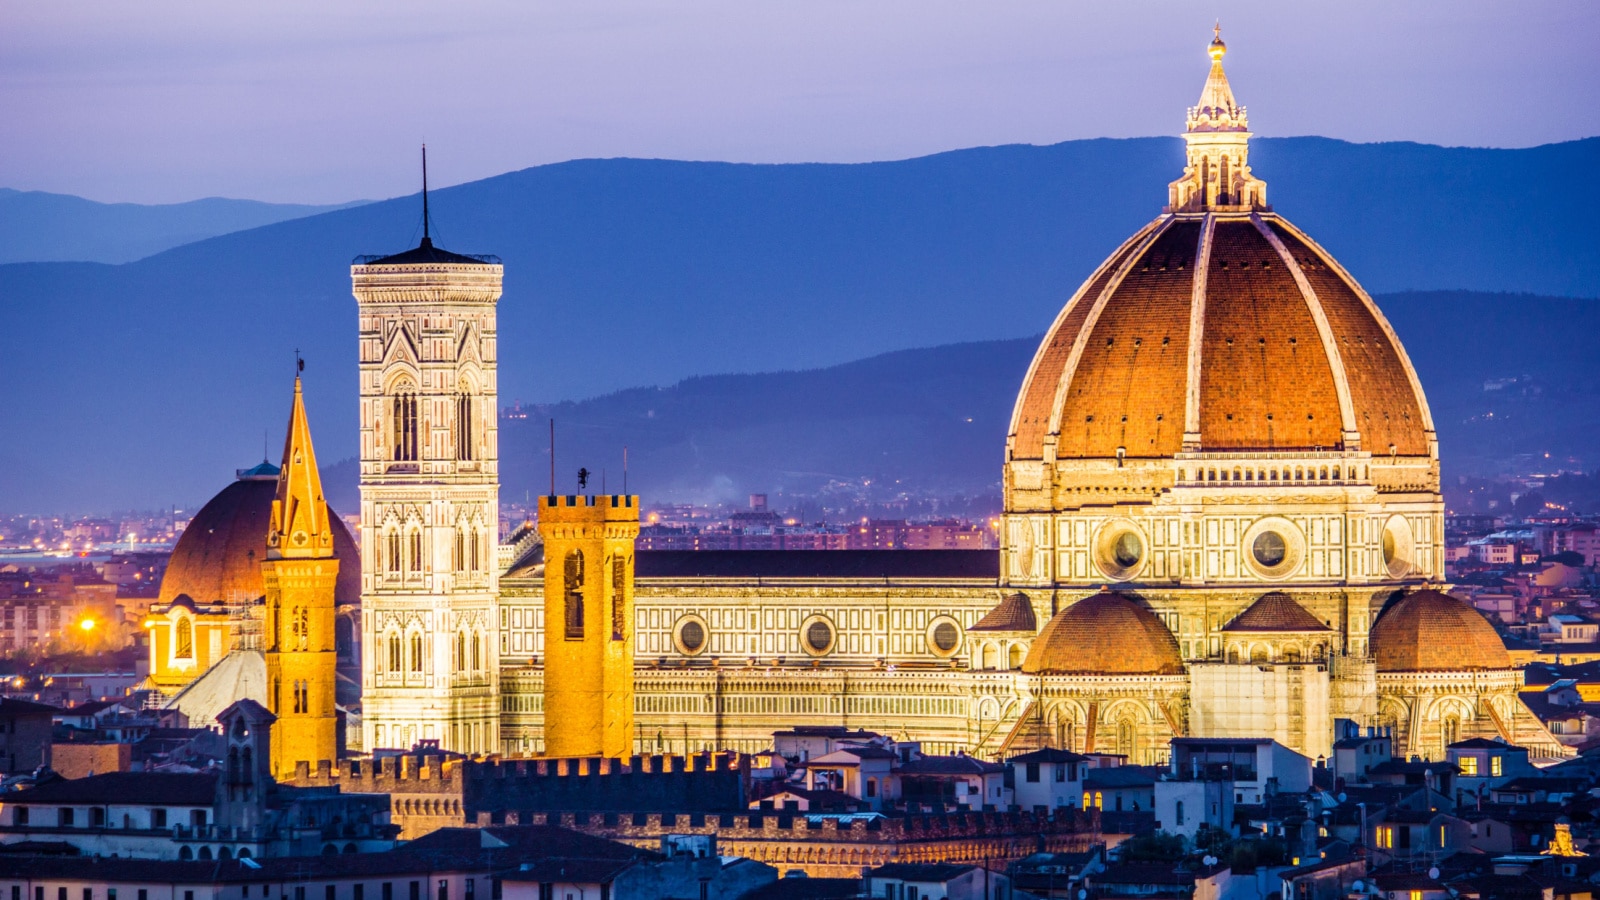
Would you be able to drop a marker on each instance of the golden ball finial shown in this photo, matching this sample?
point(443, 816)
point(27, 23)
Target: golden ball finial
point(1217, 48)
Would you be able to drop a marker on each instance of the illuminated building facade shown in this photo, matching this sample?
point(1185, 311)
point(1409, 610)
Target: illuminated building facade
point(429, 498)
point(300, 574)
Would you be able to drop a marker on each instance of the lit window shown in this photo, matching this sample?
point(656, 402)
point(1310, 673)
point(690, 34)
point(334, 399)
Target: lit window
point(1385, 837)
point(1494, 766)
point(1469, 765)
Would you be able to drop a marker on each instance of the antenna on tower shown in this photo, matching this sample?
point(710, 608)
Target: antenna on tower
point(426, 238)
point(552, 457)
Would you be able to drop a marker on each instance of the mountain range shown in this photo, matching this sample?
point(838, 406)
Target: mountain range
point(1512, 381)
point(36, 226)
point(149, 382)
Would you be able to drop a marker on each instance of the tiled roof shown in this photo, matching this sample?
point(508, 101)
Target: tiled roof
point(1430, 631)
point(218, 557)
point(1106, 634)
point(806, 889)
point(1275, 612)
point(920, 872)
point(1266, 381)
point(952, 565)
point(949, 765)
point(426, 252)
point(12, 707)
point(1048, 755)
point(172, 788)
point(1014, 613)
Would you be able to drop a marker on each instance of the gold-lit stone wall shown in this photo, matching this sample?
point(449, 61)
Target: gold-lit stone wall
point(588, 603)
point(301, 662)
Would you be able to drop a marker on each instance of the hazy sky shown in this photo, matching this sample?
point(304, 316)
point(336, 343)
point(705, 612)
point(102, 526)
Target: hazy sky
point(326, 100)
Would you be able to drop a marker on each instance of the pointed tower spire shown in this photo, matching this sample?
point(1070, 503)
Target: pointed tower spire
point(1217, 176)
point(427, 237)
point(300, 528)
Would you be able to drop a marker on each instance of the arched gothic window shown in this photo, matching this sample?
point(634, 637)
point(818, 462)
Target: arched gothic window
point(391, 562)
point(619, 611)
point(416, 651)
point(461, 550)
point(464, 426)
point(459, 657)
point(1125, 738)
point(299, 627)
point(183, 643)
point(473, 552)
point(405, 424)
point(573, 574)
point(395, 664)
point(414, 558)
point(477, 652)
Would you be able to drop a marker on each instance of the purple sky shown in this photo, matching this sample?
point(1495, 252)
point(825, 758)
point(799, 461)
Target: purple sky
point(325, 101)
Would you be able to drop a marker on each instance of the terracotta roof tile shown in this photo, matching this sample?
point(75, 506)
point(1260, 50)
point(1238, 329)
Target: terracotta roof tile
point(1276, 612)
point(1106, 634)
point(1429, 631)
point(1014, 613)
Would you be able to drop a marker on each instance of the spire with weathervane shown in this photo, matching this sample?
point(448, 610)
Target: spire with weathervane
point(1216, 176)
point(300, 528)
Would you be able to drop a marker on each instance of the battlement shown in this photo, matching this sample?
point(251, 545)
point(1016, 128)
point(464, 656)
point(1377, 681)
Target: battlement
point(588, 508)
point(716, 777)
point(393, 775)
point(844, 827)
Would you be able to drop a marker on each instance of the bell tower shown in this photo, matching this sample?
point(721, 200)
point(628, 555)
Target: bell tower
point(299, 575)
point(429, 497)
point(588, 614)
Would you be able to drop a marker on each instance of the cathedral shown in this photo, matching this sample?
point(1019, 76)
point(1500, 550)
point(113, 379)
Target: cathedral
point(1222, 519)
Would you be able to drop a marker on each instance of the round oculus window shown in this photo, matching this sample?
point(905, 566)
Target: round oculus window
point(946, 637)
point(1269, 549)
point(1127, 550)
point(819, 637)
point(1119, 549)
point(1398, 547)
point(692, 636)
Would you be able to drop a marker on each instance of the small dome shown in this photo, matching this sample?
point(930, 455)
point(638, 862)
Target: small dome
point(1275, 612)
point(1430, 631)
point(1106, 634)
point(218, 557)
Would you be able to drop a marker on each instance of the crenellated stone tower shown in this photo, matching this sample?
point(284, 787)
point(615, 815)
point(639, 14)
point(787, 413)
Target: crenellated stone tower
point(299, 574)
point(588, 614)
point(429, 498)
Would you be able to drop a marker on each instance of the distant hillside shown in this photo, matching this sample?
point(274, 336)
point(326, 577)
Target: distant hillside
point(40, 227)
point(1509, 378)
point(149, 382)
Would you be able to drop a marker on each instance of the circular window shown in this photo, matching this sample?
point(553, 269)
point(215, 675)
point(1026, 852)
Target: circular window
point(1399, 550)
point(1269, 549)
point(690, 635)
point(944, 637)
point(1274, 548)
point(817, 636)
point(1120, 549)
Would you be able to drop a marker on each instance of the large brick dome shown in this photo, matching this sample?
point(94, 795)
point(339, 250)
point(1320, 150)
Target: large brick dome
point(1105, 634)
point(218, 557)
point(1430, 631)
point(1233, 329)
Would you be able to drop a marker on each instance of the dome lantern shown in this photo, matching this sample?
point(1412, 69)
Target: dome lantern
point(1217, 173)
